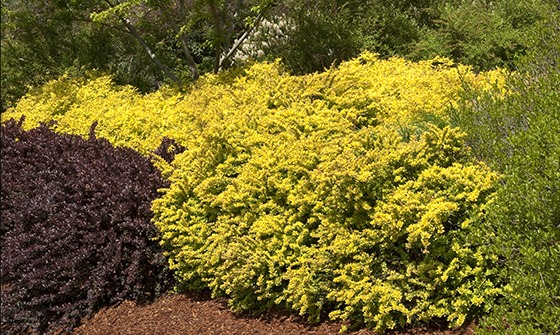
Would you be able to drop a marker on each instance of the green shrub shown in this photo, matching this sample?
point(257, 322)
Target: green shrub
point(517, 132)
point(481, 34)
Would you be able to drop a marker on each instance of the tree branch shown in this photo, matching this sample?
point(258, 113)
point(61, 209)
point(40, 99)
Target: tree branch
point(218, 39)
point(184, 45)
point(242, 38)
point(153, 56)
point(102, 23)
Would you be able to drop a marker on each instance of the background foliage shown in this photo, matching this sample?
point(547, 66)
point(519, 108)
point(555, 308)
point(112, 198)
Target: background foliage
point(44, 39)
point(482, 34)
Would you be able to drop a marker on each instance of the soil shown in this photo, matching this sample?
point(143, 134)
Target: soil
point(196, 313)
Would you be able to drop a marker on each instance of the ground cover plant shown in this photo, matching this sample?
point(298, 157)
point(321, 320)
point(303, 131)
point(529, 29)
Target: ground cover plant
point(76, 231)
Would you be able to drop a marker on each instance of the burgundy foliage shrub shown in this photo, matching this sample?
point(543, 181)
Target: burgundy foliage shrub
point(168, 149)
point(75, 230)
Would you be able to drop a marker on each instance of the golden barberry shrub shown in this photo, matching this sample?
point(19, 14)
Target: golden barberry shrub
point(355, 222)
point(365, 91)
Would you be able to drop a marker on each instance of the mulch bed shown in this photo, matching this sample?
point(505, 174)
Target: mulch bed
point(196, 313)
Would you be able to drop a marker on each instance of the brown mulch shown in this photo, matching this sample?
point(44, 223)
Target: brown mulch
point(196, 313)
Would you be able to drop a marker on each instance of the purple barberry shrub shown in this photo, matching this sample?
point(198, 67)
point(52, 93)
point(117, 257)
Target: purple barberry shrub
point(75, 231)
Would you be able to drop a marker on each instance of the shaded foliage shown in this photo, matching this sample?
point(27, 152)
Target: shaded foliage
point(482, 34)
point(44, 39)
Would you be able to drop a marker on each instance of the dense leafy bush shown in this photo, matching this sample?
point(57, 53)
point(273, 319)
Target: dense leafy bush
point(132, 117)
point(481, 34)
point(76, 230)
point(299, 208)
point(299, 191)
point(518, 133)
point(366, 90)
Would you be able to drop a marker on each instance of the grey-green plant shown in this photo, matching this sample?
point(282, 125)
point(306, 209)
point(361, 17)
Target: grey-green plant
point(517, 132)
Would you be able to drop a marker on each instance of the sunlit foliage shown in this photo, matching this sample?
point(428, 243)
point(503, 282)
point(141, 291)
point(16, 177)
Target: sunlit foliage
point(364, 91)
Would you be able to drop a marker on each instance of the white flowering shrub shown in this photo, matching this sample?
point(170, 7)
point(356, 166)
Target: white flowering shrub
point(265, 36)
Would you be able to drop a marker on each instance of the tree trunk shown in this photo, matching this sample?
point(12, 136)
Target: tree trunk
point(154, 57)
point(182, 39)
point(218, 39)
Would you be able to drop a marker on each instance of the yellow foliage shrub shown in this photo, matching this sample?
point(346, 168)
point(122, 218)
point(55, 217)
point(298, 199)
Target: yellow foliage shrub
point(358, 223)
point(303, 191)
point(365, 91)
